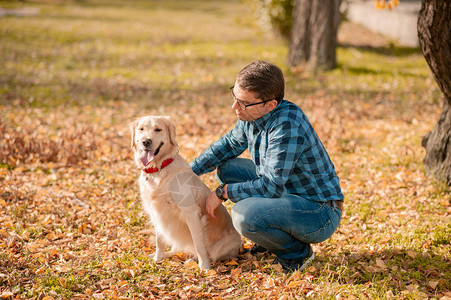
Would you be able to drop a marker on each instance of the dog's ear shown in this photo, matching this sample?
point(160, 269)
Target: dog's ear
point(171, 128)
point(132, 131)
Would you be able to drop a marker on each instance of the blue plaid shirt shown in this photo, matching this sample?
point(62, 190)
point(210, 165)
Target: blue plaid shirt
point(287, 152)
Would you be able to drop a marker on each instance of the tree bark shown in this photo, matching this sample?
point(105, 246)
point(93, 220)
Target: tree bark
point(314, 34)
point(434, 32)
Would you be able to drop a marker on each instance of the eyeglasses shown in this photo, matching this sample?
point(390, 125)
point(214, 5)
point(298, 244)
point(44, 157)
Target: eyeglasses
point(241, 103)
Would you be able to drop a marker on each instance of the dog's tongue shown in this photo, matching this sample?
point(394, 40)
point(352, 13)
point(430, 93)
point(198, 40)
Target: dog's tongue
point(147, 157)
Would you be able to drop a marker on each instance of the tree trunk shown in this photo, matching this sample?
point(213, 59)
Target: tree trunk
point(314, 34)
point(434, 32)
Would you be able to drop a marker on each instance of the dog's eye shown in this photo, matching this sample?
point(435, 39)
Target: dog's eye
point(158, 129)
point(142, 128)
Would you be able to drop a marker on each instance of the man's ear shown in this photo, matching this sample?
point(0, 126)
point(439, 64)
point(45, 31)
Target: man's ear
point(132, 131)
point(272, 104)
point(171, 128)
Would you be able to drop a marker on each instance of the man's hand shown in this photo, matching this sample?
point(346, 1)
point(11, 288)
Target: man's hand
point(212, 203)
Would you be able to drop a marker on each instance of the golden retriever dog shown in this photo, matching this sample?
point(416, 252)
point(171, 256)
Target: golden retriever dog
point(174, 197)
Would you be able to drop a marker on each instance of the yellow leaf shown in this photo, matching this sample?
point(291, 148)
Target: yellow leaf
point(191, 264)
point(296, 276)
point(41, 257)
point(269, 283)
point(295, 283)
point(122, 283)
point(32, 247)
point(54, 252)
point(81, 228)
point(236, 271)
point(312, 269)
point(63, 282)
point(232, 263)
point(222, 286)
point(179, 256)
point(6, 295)
point(445, 202)
point(51, 236)
point(107, 264)
point(62, 269)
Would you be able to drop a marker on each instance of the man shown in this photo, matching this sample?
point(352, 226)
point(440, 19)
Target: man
point(288, 195)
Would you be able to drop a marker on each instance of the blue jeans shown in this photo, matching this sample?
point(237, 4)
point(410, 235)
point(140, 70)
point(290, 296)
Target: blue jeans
point(285, 226)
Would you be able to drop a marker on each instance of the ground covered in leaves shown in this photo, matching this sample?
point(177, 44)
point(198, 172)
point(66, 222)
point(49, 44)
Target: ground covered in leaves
point(75, 74)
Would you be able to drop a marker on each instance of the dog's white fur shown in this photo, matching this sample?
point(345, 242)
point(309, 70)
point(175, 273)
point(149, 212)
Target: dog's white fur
point(179, 218)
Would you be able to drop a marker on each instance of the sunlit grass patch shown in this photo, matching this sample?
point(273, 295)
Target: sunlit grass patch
point(82, 43)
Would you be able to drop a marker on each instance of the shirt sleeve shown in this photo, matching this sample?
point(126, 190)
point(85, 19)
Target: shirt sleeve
point(229, 146)
point(285, 145)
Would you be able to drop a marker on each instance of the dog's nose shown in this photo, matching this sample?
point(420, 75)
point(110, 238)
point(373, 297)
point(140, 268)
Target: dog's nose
point(147, 143)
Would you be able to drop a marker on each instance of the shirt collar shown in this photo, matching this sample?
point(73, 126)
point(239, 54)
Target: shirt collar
point(261, 122)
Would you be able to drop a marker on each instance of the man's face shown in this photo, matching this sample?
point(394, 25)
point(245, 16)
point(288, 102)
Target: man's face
point(250, 113)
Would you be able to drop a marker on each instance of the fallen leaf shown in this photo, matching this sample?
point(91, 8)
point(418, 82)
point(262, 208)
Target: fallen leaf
point(231, 263)
point(380, 263)
point(222, 286)
point(312, 269)
point(32, 247)
point(277, 267)
point(107, 265)
point(191, 264)
point(51, 236)
point(412, 254)
point(63, 282)
point(295, 283)
point(130, 272)
point(295, 276)
point(6, 295)
point(412, 287)
point(433, 284)
point(222, 269)
point(211, 272)
point(236, 271)
point(194, 288)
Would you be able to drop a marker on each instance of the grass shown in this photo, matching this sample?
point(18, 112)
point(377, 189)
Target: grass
point(107, 47)
point(77, 73)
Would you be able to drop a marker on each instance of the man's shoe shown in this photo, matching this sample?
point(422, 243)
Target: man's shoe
point(299, 264)
point(257, 249)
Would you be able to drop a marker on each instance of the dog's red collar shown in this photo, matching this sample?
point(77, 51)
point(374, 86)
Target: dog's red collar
point(164, 164)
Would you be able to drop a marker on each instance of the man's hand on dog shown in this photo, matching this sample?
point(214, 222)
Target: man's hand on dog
point(212, 203)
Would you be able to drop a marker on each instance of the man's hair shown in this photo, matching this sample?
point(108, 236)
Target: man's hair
point(264, 79)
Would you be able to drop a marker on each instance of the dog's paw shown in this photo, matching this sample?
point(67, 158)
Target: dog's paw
point(158, 257)
point(204, 265)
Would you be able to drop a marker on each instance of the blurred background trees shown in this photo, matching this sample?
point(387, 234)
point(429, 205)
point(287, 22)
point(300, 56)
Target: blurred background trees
point(313, 39)
point(310, 27)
